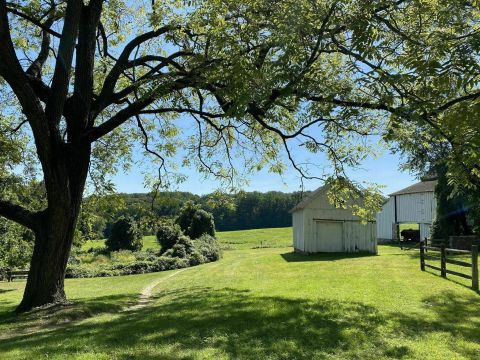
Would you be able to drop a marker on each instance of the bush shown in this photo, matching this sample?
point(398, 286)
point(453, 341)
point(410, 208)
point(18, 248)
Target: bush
point(79, 271)
point(124, 235)
point(182, 248)
point(147, 255)
point(194, 221)
point(184, 219)
point(208, 247)
point(183, 253)
point(196, 258)
point(167, 236)
point(16, 246)
point(202, 223)
point(123, 257)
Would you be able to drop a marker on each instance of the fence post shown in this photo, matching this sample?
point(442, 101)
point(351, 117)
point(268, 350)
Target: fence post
point(443, 262)
point(422, 255)
point(475, 267)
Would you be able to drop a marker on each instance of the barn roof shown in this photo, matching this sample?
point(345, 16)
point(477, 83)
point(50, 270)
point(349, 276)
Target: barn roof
point(307, 200)
point(313, 195)
point(420, 187)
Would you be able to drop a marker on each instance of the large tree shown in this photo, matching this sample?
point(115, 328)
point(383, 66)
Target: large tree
point(83, 79)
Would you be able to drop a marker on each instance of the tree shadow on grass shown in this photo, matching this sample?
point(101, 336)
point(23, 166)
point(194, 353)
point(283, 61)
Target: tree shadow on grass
point(452, 313)
point(237, 324)
point(226, 321)
point(297, 257)
point(55, 317)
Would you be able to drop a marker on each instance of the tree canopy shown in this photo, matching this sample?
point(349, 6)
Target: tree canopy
point(82, 81)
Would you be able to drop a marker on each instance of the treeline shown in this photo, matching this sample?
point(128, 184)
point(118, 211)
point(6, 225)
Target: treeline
point(244, 210)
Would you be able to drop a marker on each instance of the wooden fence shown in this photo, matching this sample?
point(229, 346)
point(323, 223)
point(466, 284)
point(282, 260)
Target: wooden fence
point(444, 260)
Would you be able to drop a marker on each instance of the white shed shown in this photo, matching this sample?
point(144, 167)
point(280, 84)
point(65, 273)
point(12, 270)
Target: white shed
point(415, 204)
point(319, 226)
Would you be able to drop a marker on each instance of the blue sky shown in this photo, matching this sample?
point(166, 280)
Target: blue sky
point(383, 170)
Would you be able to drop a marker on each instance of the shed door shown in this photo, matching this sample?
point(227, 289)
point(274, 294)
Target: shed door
point(329, 236)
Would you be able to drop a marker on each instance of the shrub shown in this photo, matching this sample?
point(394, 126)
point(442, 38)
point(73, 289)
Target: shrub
point(123, 257)
point(202, 223)
point(147, 255)
point(194, 221)
point(124, 235)
point(184, 253)
point(208, 247)
point(184, 218)
point(137, 267)
point(16, 246)
point(167, 236)
point(182, 248)
point(196, 258)
point(79, 271)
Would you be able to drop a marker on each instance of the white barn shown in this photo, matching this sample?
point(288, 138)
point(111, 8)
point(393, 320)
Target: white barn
point(319, 226)
point(415, 204)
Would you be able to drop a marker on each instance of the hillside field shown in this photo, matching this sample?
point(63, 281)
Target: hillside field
point(260, 301)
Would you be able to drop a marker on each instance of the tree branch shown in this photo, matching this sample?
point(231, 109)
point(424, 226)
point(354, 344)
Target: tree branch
point(35, 68)
point(61, 76)
point(114, 74)
point(35, 22)
point(18, 214)
point(84, 65)
point(358, 104)
point(455, 101)
point(12, 72)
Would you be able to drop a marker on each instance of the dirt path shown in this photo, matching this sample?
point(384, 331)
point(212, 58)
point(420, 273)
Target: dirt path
point(147, 292)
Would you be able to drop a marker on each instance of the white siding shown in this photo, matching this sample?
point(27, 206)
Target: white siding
point(298, 224)
point(416, 208)
point(328, 236)
point(385, 220)
point(359, 237)
point(329, 229)
point(419, 208)
point(424, 231)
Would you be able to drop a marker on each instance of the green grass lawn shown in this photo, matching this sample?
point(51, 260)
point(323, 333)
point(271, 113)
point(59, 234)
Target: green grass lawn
point(257, 303)
point(407, 226)
point(246, 239)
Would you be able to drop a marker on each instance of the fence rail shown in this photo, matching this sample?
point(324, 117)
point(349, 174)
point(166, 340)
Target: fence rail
point(444, 260)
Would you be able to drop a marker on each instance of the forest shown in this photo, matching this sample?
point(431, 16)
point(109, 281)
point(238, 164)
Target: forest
point(239, 211)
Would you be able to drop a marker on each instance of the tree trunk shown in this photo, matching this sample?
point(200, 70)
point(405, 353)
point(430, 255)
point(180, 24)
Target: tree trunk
point(45, 283)
point(54, 236)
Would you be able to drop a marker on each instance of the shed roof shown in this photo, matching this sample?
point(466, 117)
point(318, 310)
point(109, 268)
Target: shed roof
point(420, 187)
point(307, 200)
point(313, 195)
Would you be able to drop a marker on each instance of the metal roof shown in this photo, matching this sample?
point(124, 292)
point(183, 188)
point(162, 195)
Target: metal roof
point(420, 187)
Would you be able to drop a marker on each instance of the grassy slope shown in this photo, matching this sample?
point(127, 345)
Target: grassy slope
point(246, 239)
point(256, 304)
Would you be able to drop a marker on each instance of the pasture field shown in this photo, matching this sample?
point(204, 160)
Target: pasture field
point(229, 240)
point(255, 303)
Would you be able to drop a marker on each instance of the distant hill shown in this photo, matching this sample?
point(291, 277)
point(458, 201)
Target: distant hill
point(244, 210)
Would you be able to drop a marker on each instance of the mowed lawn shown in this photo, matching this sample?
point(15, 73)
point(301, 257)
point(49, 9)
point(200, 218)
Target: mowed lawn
point(230, 240)
point(256, 303)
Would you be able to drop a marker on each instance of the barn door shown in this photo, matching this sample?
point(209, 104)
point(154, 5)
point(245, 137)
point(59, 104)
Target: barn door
point(329, 236)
